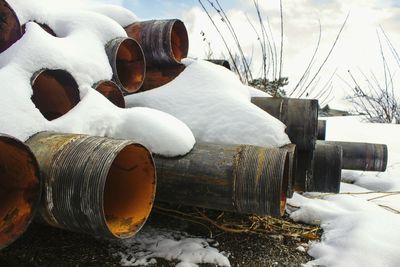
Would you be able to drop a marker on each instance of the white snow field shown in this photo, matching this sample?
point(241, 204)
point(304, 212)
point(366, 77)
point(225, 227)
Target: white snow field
point(361, 224)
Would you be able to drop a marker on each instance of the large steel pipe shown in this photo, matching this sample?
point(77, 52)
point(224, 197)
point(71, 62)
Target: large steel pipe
point(164, 42)
point(292, 154)
point(127, 62)
point(244, 179)
point(304, 171)
point(10, 28)
point(327, 168)
point(299, 115)
point(362, 156)
point(20, 188)
point(95, 185)
point(159, 76)
point(221, 62)
point(55, 92)
point(321, 130)
point(111, 91)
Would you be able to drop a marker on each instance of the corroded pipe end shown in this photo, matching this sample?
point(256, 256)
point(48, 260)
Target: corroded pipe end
point(43, 26)
point(327, 169)
point(129, 191)
point(20, 189)
point(261, 180)
point(128, 63)
point(111, 91)
point(10, 29)
point(55, 92)
point(164, 42)
point(292, 153)
point(159, 76)
point(95, 185)
point(321, 130)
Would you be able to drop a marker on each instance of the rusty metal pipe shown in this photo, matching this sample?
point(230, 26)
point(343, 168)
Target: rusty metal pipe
point(299, 115)
point(111, 91)
point(95, 185)
point(55, 92)
point(238, 178)
point(321, 130)
point(221, 62)
point(327, 168)
point(20, 188)
point(164, 42)
point(362, 156)
point(159, 76)
point(292, 154)
point(127, 62)
point(10, 28)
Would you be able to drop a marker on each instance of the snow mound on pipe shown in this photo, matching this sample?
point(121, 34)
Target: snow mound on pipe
point(78, 49)
point(215, 105)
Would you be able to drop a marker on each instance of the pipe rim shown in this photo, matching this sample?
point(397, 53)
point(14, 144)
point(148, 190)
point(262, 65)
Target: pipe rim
point(127, 85)
point(33, 194)
point(111, 91)
point(179, 40)
point(66, 92)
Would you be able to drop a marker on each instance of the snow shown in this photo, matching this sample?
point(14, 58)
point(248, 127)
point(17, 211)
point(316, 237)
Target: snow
point(82, 31)
point(215, 105)
point(361, 224)
point(153, 243)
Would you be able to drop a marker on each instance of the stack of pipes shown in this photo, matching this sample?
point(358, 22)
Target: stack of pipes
point(106, 187)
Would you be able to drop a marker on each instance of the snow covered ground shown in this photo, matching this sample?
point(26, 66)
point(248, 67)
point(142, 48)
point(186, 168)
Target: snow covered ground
point(361, 224)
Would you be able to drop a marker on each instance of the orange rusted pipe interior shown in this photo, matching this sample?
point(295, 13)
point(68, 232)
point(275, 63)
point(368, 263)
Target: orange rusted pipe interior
point(10, 29)
point(55, 92)
point(19, 189)
point(112, 92)
point(179, 41)
point(129, 190)
point(130, 65)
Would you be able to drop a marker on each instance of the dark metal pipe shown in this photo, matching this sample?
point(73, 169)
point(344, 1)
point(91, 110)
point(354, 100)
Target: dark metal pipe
point(362, 156)
point(111, 91)
point(244, 179)
point(10, 28)
point(95, 185)
point(164, 42)
point(128, 63)
point(221, 62)
point(159, 76)
point(20, 188)
point(299, 115)
point(327, 169)
point(321, 130)
point(292, 154)
point(55, 92)
point(304, 171)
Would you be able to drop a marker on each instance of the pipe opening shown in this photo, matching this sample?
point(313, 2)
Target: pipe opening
point(285, 184)
point(10, 29)
point(112, 92)
point(55, 92)
point(19, 190)
point(130, 65)
point(179, 40)
point(129, 190)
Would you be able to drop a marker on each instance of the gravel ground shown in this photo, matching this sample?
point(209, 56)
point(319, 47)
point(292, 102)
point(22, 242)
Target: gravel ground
point(45, 246)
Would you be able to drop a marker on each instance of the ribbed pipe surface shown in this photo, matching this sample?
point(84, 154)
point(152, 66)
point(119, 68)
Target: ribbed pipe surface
point(99, 186)
point(164, 42)
point(244, 179)
point(20, 188)
point(10, 28)
point(127, 62)
point(111, 91)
